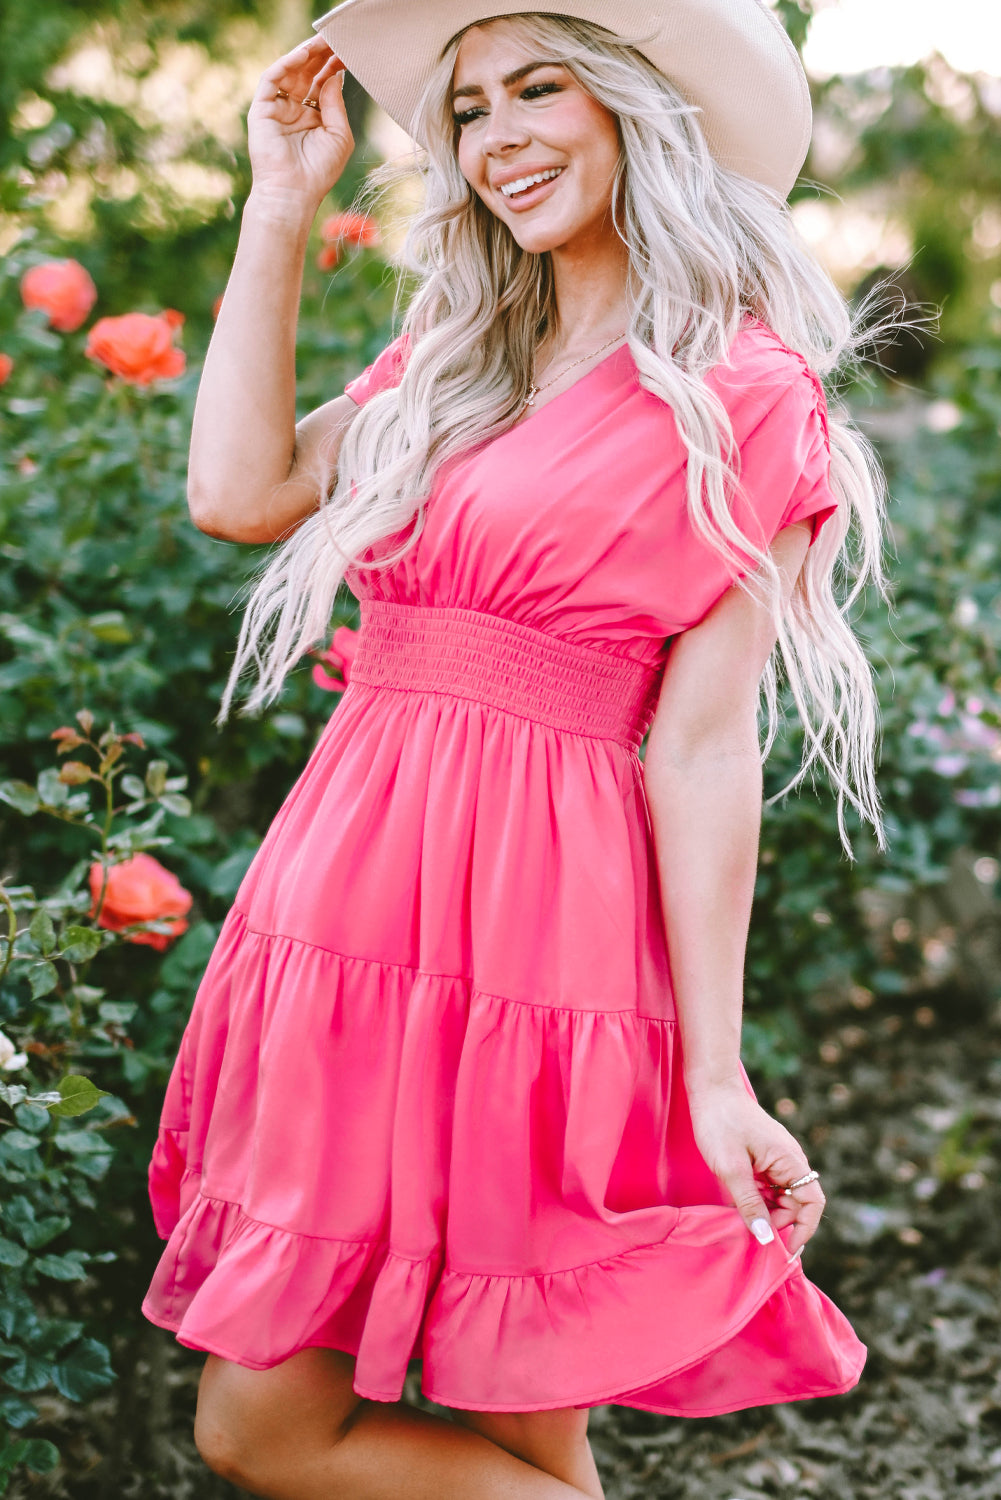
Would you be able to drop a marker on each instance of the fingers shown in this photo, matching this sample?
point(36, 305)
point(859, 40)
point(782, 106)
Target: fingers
point(765, 1208)
point(749, 1202)
point(299, 73)
point(806, 1205)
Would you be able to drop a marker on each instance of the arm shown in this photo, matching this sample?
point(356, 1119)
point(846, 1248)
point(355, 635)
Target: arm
point(249, 476)
point(703, 785)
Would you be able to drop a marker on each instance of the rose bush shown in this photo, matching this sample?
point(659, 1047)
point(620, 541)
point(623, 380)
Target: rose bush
point(49, 958)
point(63, 290)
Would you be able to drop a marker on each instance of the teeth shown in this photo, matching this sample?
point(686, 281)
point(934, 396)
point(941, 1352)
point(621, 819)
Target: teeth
point(510, 188)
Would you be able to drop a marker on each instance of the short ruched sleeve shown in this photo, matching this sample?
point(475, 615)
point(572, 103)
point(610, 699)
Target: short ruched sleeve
point(382, 374)
point(778, 410)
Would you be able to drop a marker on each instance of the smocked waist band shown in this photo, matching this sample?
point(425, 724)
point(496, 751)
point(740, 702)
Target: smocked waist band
point(505, 665)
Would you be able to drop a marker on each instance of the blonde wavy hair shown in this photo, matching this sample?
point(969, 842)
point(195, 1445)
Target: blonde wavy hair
point(707, 246)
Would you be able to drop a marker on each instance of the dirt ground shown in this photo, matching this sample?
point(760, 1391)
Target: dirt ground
point(900, 1107)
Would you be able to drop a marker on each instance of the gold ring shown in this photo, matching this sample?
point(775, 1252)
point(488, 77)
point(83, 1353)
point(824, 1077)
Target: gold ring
point(281, 94)
point(801, 1182)
point(311, 103)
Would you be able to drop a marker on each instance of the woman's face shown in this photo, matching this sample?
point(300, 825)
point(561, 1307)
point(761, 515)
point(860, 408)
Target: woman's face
point(520, 116)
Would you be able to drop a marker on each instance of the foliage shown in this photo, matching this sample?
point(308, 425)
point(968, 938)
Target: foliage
point(937, 656)
point(50, 1163)
point(109, 598)
point(922, 146)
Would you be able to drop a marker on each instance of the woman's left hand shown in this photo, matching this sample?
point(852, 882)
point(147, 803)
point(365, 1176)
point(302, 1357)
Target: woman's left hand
point(754, 1156)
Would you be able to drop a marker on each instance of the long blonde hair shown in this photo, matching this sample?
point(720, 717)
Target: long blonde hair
point(707, 246)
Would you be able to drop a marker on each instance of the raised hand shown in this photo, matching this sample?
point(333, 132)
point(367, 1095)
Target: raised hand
point(299, 137)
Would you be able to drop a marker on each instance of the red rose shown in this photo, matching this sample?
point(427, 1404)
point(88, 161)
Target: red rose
point(138, 347)
point(63, 290)
point(356, 229)
point(332, 672)
point(140, 890)
point(6, 365)
point(328, 257)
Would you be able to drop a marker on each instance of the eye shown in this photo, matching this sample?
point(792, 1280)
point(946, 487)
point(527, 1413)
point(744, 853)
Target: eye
point(533, 91)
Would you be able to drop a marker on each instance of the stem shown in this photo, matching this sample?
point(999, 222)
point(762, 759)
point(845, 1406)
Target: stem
point(11, 932)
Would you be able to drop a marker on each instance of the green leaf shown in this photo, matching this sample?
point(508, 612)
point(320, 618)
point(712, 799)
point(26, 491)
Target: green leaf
point(46, 1230)
point(35, 1453)
point(12, 1093)
point(156, 777)
point(43, 931)
point(28, 1372)
point(55, 1334)
point(19, 1140)
point(79, 944)
point(20, 795)
point(176, 804)
point(51, 789)
point(82, 1142)
point(78, 1095)
point(69, 1267)
point(17, 1412)
point(111, 626)
point(120, 1012)
point(87, 994)
point(12, 1255)
point(19, 1216)
point(43, 979)
point(133, 787)
point(85, 1370)
point(31, 1116)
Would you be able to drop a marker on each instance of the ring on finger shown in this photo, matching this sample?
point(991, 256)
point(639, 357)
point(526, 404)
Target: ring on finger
point(800, 1182)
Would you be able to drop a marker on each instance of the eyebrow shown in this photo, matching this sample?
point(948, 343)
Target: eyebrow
point(509, 78)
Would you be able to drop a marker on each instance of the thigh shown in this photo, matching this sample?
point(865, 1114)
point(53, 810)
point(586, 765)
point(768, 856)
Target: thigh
point(553, 1441)
point(305, 1402)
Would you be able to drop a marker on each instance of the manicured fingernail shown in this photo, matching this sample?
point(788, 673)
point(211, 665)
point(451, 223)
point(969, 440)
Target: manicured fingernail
point(795, 1255)
point(762, 1231)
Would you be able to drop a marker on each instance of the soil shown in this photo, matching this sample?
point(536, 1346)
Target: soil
point(900, 1108)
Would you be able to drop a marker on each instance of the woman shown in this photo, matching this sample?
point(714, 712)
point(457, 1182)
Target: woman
point(442, 1095)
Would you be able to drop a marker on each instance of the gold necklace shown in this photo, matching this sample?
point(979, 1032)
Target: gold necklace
point(535, 390)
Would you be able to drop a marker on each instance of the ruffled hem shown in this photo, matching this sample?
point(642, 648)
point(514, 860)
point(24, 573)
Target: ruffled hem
point(360, 1156)
point(744, 1325)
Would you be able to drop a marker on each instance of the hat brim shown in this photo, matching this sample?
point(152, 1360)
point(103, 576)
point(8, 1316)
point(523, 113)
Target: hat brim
point(731, 58)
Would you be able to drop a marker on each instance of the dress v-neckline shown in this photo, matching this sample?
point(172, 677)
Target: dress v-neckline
point(553, 400)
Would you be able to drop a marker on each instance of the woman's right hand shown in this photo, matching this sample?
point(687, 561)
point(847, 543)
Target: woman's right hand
point(297, 152)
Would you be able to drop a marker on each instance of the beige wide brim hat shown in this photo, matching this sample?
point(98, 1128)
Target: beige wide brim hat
point(731, 58)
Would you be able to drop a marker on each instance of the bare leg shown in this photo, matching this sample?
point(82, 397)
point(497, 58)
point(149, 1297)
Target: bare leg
point(299, 1432)
point(555, 1441)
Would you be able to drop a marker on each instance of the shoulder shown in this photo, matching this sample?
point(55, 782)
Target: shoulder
point(385, 371)
point(762, 376)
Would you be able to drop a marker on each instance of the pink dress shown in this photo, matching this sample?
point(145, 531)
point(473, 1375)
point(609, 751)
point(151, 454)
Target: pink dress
point(429, 1103)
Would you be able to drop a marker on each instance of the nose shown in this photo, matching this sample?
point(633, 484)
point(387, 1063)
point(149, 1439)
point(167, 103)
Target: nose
point(503, 131)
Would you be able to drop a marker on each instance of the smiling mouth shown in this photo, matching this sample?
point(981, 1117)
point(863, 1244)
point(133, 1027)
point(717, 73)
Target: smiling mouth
point(525, 185)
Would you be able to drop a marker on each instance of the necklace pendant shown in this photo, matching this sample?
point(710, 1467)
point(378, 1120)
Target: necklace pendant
point(530, 398)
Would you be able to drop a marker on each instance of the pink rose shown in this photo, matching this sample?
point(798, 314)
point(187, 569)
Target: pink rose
point(140, 890)
point(61, 289)
point(354, 229)
point(137, 346)
point(333, 670)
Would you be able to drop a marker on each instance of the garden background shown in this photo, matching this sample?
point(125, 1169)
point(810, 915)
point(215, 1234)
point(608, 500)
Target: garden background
point(873, 1014)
